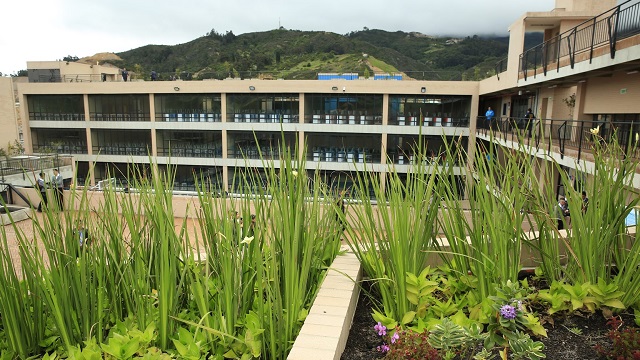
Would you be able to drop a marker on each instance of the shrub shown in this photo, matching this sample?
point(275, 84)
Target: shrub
point(625, 342)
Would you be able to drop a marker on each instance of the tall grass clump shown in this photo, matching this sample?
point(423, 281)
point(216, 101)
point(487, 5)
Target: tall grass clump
point(601, 249)
point(486, 239)
point(240, 286)
point(266, 253)
point(393, 235)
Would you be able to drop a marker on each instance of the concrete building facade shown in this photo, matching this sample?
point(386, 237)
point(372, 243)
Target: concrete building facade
point(584, 74)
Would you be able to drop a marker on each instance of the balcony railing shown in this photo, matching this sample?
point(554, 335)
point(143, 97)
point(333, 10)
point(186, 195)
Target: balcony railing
point(41, 116)
point(582, 42)
point(32, 164)
point(344, 119)
point(120, 117)
point(444, 120)
point(566, 137)
point(252, 152)
point(64, 148)
point(128, 149)
point(192, 150)
point(189, 116)
point(262, 118)
point(501, 66)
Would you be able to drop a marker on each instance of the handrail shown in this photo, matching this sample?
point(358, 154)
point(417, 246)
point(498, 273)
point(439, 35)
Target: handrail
point(21, 165)
point(608, 27)
point(13, 189)
point(561, 135)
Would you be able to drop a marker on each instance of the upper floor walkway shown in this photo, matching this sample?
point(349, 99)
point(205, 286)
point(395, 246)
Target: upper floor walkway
point(584, 47)
point(569, 141)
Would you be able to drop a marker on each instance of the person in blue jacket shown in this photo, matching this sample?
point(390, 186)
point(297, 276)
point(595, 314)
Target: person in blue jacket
point(490, 117)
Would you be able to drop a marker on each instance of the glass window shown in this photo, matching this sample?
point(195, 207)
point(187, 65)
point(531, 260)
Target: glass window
point(119, 107)
point(56, 107)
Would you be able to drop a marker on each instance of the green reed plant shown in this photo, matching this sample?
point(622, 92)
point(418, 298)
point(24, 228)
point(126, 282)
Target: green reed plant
point(20, 305)
point(392, 236)
point(223, 284)
point(486, 239)
point(264, 271)
point(600, 246)
point(303, 237)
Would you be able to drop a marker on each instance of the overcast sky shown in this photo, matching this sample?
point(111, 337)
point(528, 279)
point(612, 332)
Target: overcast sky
point(51, 29)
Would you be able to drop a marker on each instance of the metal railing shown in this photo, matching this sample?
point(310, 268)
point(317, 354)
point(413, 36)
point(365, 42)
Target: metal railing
point(192, 150)
point(566, 137)
point(606, 29)
point(501, 66)
point(121, 149)
point(434, 75)
point(120, 117)
point(42, 116)
point(64, 148)
point(27, 164)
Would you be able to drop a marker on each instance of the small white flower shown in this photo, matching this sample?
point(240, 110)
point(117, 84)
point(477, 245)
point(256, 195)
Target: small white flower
point(295, 173)
point(595, 131)
point(247, 240)
point(637, 137)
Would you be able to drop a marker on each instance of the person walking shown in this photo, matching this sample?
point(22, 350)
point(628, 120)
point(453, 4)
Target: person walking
point(43, 191)
point(125, 74)
point(562, 212)
point(530, 118)
point(489, 115)
point(58, 185)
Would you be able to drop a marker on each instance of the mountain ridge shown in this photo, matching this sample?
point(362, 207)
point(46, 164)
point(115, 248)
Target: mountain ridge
point(296, 54)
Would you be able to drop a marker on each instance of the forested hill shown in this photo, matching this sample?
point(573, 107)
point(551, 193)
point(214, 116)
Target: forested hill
point(294, 54)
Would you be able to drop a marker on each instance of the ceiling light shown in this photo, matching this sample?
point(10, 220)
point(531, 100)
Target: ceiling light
point(251, 88)
point(423, 89)
point(334, 88)
point(176, 88)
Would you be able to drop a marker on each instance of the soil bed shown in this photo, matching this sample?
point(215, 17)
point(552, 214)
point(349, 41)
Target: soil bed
point(569, 338)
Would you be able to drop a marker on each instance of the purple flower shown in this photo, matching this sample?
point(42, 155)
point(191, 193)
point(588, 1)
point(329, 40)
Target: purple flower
point(395, 337)
point(381, 329)
point(508, 312)
point(383, 348)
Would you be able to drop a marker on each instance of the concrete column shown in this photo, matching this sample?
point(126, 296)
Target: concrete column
point(471, 141)
point(385, 109)
point(87, 121)
point(154, 139)
point(301, 142)
point(225, 153)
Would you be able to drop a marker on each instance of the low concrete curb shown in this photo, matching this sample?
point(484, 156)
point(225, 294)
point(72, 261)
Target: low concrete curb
point(325, 331)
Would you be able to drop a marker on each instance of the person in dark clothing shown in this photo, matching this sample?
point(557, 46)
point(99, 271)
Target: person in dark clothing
point(341, 216)
point(58, 185)
point(82, 234)
point(43, 191)
point(125, 74)
point(530, 119)
point(154, 75)
point(585, 202)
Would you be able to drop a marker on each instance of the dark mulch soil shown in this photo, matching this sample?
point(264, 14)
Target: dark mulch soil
point(564, 341)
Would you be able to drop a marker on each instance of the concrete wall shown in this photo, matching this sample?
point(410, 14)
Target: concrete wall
point(594, 6)
point(613, 95)
point(8, 122)
point(70, 71)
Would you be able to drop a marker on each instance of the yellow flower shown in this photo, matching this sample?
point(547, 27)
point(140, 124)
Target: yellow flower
point(595, 131)
point(247, 240)
point(295, 173)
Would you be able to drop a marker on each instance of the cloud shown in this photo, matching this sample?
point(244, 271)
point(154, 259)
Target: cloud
point(50, 30)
